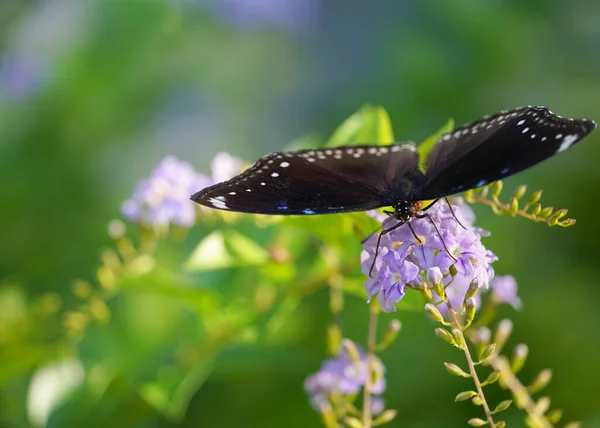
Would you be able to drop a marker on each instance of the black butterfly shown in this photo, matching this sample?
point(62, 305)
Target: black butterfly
point(363, 177)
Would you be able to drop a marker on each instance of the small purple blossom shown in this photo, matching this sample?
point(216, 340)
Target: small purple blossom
point(164, 197)
point(224, 166)
point(405, 261)
point(504, 290)
point(20, 75)
point(343, 376)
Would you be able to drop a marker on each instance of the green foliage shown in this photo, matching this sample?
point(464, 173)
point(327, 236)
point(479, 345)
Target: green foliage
point(428, 144)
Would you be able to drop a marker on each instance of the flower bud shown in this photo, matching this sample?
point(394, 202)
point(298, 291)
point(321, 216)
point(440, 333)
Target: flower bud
point(477, 401)
point(520, 192)
point(455, 370)
point(497, 189)
point(519, 357)
point(542, 405)
point(536, 210)
point(501, 424)
point(502, 406)
point(458, 338)
point(477, 422)
point(465, 395)
point(492, 377)
point(541, 381)
point(426, 291)
point(445, 336)
point(353, 422)
point(554, 416)
point(568, 222)
point(502, 333)
point(546, 212)
point(560, 214)
point(487, 352)
point(534, 198)
point(439, 290)
point(472, 290)
point(470, 307)
point(351, 350)
point(514, 205)
point(386, 417)
point(434, 312)
point(390, 334)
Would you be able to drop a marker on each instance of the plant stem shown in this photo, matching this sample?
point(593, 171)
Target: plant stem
point(371, 341)
point(518, 390)
point(472, 370)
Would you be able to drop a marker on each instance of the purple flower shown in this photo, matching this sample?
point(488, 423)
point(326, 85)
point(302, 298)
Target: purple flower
point(164, 197)
point(20, 75)
point(342, 375)
point(224, 166)
point(504, 289)
point(405, 261)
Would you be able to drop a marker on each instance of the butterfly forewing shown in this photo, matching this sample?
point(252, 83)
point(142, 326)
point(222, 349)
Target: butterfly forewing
point(340, 179)
point(496, 147)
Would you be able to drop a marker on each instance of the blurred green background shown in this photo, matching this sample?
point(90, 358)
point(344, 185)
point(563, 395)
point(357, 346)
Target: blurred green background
point(94, 94)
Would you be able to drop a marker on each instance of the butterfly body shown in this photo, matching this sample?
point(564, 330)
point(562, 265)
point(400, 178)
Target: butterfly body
point(363, 177)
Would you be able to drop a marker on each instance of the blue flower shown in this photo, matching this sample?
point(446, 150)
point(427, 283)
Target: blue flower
point(405, 261)
point(342, 375)
point(164, 197)
point(504, 290)
point(20, 75)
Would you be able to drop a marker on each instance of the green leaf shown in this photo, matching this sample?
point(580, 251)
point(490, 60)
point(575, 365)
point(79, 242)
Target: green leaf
point(428, 144)
point(226, 249)
point(308, 141)
point(369, 125)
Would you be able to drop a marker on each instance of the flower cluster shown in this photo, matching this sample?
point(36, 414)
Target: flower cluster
point(406, 260)
point(164, 197)
point(344, 376)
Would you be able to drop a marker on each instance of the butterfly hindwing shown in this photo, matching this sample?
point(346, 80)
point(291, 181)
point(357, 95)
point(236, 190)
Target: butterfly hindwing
point(496, 147)
point(320, 181)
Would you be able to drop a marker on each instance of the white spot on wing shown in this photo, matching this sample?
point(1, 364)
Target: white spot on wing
point(275, 174)
point(219, 203)
point(284, 164)
point(520, 122)
point(567, 142)
point(525, 130)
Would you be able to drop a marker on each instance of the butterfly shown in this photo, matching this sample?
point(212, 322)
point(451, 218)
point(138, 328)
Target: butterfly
point(364, 177)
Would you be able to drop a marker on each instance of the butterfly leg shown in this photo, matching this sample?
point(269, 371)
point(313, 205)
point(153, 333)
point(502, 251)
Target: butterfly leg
point(383, 232)
point(454, 215)
point(439, 234)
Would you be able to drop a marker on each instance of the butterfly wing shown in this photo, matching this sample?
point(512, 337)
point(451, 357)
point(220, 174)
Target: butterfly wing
point(495, 147)
point(332, 180)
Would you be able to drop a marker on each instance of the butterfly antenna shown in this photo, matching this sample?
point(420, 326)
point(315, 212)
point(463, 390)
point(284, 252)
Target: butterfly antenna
point(440, 235)
point(383, 232)
point(454, 215)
